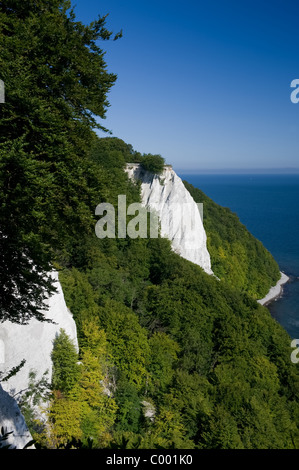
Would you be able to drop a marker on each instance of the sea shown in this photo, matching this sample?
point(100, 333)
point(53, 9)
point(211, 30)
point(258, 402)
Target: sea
point(268, 205)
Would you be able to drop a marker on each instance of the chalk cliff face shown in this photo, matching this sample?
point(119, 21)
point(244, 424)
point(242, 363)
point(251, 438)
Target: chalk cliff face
point(12, 421)
point(34, 344)
point(180, 217)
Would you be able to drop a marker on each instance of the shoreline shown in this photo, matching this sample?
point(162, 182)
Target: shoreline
point(275, 291)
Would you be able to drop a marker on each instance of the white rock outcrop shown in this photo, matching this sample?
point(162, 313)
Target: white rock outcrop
point(180, 217)
point(33, 343)
point(12, 421)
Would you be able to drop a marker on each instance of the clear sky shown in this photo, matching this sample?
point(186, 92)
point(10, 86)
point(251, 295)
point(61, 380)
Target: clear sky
point(206, 84)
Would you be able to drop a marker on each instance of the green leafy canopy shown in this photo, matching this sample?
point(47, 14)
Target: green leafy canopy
point(56, 83)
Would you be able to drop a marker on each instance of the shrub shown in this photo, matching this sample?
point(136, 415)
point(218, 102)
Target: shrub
point(153, 163)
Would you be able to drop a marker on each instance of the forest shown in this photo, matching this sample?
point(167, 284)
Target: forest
point(169, 356)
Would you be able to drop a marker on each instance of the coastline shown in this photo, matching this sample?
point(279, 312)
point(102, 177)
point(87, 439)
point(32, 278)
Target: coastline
point(275, 291)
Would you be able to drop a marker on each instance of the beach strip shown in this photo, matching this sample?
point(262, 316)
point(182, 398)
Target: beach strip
point(275, 291)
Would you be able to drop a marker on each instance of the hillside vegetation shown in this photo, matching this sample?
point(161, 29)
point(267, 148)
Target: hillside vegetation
point(208, 360)
point(169, 357)
point(237, 257)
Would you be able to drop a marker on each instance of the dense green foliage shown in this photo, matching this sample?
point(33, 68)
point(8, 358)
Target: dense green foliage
point(79, 408)
point(169, 356)
point(237, 257)
point(208, 360)
point(153, 163)
point(56, 84)
point(122, 153)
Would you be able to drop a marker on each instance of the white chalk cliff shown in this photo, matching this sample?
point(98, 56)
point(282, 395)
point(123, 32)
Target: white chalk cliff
point(34, 344)
point(12, 422)
point(180, 217)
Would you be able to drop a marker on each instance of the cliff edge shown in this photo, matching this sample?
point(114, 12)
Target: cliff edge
point(179, 215)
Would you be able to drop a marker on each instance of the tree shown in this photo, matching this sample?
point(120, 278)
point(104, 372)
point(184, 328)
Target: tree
point(65, 363)
point(98, 407)
point(153, 163)
point(129, 407)
point(128, 342)
point(56, 84)
point(167, 432)
point(63, 423)
point(82, 407)
point(163, 355)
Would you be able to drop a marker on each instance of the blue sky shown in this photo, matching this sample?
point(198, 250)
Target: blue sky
point(206, 84)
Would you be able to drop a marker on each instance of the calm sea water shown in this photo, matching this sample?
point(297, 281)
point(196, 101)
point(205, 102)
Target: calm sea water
point(268, 205)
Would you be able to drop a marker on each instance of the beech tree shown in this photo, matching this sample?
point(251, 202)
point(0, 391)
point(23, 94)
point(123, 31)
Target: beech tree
point(56, 87)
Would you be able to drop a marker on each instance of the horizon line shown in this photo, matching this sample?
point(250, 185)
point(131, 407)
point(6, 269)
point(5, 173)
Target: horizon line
point(238, 170)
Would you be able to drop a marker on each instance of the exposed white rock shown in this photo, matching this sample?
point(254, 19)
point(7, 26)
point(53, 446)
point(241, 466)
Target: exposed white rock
point(180, 217)
point(12, 421)
point(149, 410)
point(34, 344)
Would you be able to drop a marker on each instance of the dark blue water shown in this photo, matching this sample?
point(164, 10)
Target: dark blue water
point(268, 205)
